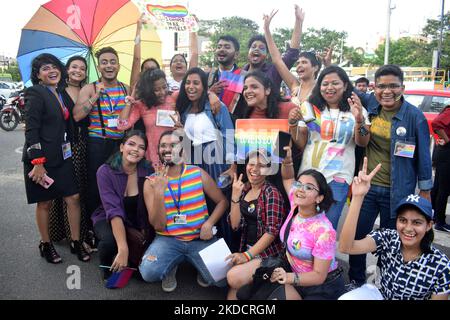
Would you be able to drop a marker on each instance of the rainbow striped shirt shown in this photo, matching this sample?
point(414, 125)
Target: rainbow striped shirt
point(110, 107)
point(192, 204)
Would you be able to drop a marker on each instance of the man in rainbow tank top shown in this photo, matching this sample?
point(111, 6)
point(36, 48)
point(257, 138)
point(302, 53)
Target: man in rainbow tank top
point(175, 200)
point(101, 101)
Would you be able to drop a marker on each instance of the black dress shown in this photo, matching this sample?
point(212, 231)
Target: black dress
point(45, 126)
point(58, 222)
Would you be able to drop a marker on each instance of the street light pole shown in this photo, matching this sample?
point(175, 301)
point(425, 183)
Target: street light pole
point(388, 32)
point(441, 36)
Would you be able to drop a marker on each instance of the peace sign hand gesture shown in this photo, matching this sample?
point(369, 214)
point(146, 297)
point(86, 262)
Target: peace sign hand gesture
point(361, 183)
point(267, 18)
point(158, 181)
point(356, 107)
point(238, 186)
point(176, 118)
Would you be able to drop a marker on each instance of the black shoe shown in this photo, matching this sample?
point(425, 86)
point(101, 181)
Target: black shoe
point(48, 251)
point(77, 248)
point(442, 227)
point(91, 241)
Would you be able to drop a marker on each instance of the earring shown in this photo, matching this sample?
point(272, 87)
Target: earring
point(317, 208)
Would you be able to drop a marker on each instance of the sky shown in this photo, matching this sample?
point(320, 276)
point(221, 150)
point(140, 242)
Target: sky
point(364, 20)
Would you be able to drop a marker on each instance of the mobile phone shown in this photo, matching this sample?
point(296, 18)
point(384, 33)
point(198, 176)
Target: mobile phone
point(283, 140)
point(46, 181)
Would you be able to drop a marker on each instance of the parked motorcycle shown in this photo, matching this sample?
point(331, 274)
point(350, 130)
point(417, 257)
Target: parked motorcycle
point(2, 100)
point(13, 112)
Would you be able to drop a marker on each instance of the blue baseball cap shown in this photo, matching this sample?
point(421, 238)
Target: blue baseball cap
point(417, 201)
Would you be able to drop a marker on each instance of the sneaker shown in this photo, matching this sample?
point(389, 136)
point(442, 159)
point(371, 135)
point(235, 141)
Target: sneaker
point(169, 283)
point(442, 227)
point(352, 285)
point(201, 282)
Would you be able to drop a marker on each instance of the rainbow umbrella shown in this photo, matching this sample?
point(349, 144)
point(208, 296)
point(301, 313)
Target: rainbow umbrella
point(66, 28)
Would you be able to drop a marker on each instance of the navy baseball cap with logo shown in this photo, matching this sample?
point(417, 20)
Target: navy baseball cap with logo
point(417, 201)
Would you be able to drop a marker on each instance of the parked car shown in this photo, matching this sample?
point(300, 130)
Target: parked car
point(6, 89)
point(431, 102)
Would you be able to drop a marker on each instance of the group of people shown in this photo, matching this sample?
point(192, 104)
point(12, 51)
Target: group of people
point(149, 192)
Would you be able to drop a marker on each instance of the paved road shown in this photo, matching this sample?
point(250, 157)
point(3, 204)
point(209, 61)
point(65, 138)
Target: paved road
point(25, 275)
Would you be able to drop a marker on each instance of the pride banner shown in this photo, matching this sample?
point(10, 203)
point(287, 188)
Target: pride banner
point(252, 134)
point(168, 15)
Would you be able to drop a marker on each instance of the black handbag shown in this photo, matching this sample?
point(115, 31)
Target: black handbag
point(262, 288)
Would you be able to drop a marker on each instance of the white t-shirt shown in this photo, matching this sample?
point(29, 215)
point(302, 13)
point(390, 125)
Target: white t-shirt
point(199, 128)
point(173, 84)
point(331, 149)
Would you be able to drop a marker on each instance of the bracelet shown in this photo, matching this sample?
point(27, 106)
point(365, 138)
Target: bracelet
point(292, 123)
point(38, 161)
point(296, 279)
point(247, 255)
point(302, 124)
point(235, 201)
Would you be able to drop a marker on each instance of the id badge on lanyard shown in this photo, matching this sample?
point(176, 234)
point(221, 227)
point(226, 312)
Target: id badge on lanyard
point(66, 148)
point(179, 218)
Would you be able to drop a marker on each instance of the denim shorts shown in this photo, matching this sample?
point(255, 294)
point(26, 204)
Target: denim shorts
point(331, 289)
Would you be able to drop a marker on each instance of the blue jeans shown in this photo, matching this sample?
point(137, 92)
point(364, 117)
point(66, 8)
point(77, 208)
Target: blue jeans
point(166, 252)
point(340, 191)
point(377, 200)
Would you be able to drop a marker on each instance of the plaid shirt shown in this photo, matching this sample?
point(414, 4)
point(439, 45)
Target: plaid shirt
point(269, 219)
point(413, 280)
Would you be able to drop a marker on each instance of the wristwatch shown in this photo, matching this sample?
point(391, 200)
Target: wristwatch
point(363, 131)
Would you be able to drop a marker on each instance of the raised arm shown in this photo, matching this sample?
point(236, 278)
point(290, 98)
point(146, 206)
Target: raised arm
point(235, 212)
point(154, 188)
point(297, 32)
point(86, 100)
point(360, 187)
point(193, 48)
point(287, 170)
point(136, 66)
point(277, 60)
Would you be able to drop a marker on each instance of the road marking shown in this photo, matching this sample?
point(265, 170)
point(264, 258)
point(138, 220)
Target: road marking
point(19, 150)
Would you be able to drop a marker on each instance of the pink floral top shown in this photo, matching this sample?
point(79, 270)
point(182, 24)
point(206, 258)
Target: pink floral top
point(309, 238)
point(152, 131)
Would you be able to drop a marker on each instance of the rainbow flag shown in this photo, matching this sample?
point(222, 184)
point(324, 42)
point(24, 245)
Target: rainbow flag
point(119, 279)
point(315, 125)
point(174, 11)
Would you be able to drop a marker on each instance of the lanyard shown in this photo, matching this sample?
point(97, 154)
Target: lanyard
point(111, 107)
point(175, 201)
point(64, 110)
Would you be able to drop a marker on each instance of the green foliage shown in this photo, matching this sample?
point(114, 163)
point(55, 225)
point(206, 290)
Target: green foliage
point(432, 30)
point(405, 52)
point(240, 28)
point(409, 52)
point(15, 73)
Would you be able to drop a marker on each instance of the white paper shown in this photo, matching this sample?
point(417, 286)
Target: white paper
point(163, 118)
point(214, 258)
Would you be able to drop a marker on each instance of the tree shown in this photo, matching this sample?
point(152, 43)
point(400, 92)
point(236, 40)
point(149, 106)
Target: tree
point(240, 28)
point(405, 52)
point(432, 30)
point(13, 69)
